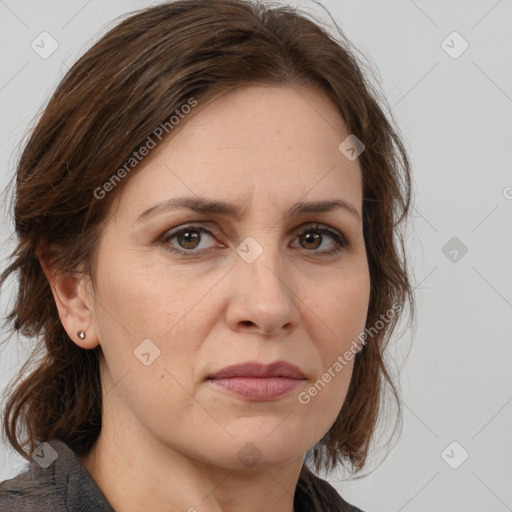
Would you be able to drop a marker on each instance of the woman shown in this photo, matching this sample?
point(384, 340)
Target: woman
point(207, 215)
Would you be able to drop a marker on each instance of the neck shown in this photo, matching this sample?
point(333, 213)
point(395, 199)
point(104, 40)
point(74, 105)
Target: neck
point(141, 474)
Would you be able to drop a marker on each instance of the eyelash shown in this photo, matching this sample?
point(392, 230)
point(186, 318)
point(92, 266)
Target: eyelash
point(341, 242)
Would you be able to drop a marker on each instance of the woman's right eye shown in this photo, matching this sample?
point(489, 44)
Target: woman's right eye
point(188, 239)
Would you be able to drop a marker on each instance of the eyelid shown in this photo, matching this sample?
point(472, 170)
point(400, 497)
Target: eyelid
point(193, 226)
point(337, 235)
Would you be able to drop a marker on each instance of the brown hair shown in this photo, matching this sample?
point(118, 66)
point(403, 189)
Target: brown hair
point(131, 81)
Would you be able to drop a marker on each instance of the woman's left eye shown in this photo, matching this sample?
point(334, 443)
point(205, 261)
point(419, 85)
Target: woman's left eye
point(189, 238)
point(314, 235)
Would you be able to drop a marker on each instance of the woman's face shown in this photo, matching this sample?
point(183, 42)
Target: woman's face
point(182, 293)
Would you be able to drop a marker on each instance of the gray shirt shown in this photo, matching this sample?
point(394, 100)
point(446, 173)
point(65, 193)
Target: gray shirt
point(65, 485)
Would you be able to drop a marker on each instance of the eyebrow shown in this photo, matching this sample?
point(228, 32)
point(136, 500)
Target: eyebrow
point(210, 206)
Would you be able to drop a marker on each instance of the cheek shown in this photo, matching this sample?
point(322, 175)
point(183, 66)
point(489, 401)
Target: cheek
point(151, 301)
point(147, 335)
point(144, 296)
point(342, 308)
point(323, 398)
point(339, 318)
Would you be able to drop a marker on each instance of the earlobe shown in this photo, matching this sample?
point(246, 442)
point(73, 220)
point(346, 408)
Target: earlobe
point(72, 300)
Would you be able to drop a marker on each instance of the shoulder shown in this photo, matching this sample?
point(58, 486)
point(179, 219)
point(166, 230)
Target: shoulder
point(31, 490)
point(56, 481)
point(314, 493)
point(336, 497)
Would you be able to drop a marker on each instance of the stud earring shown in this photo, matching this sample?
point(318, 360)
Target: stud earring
point(81, 335)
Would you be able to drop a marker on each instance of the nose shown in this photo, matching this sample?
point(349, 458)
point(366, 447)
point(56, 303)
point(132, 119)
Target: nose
point(262, 297)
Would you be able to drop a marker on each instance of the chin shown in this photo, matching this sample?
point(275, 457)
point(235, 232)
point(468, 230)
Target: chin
point(258, 450)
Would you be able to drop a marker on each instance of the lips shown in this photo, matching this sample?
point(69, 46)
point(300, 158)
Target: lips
point(258, 370)
point(258, 382)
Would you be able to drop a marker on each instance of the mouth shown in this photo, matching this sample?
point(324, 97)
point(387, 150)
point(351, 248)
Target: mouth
point(258, 382)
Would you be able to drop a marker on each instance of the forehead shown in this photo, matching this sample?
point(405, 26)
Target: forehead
point(280, 142)
point(250, 116)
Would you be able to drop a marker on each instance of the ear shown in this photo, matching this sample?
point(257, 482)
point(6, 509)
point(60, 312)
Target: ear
point(73, 298)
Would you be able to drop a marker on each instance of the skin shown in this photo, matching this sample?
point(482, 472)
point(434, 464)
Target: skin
point(169, 440)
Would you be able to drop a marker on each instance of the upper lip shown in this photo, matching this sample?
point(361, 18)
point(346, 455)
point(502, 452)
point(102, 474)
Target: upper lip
point(254, 369)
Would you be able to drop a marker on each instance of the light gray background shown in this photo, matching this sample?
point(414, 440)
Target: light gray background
point(455, 115)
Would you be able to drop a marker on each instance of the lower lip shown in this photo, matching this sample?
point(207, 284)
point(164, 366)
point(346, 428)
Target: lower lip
point(258, 389)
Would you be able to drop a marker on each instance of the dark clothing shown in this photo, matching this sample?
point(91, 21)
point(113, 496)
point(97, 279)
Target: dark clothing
point(63, 484)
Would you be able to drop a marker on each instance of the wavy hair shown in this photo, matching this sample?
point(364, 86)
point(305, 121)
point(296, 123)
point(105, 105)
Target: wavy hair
point(128, 83)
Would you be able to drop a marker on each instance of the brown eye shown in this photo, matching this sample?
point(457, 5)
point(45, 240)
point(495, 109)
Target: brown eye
point(311, 241)
point(313, 238)
point(187, 239)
